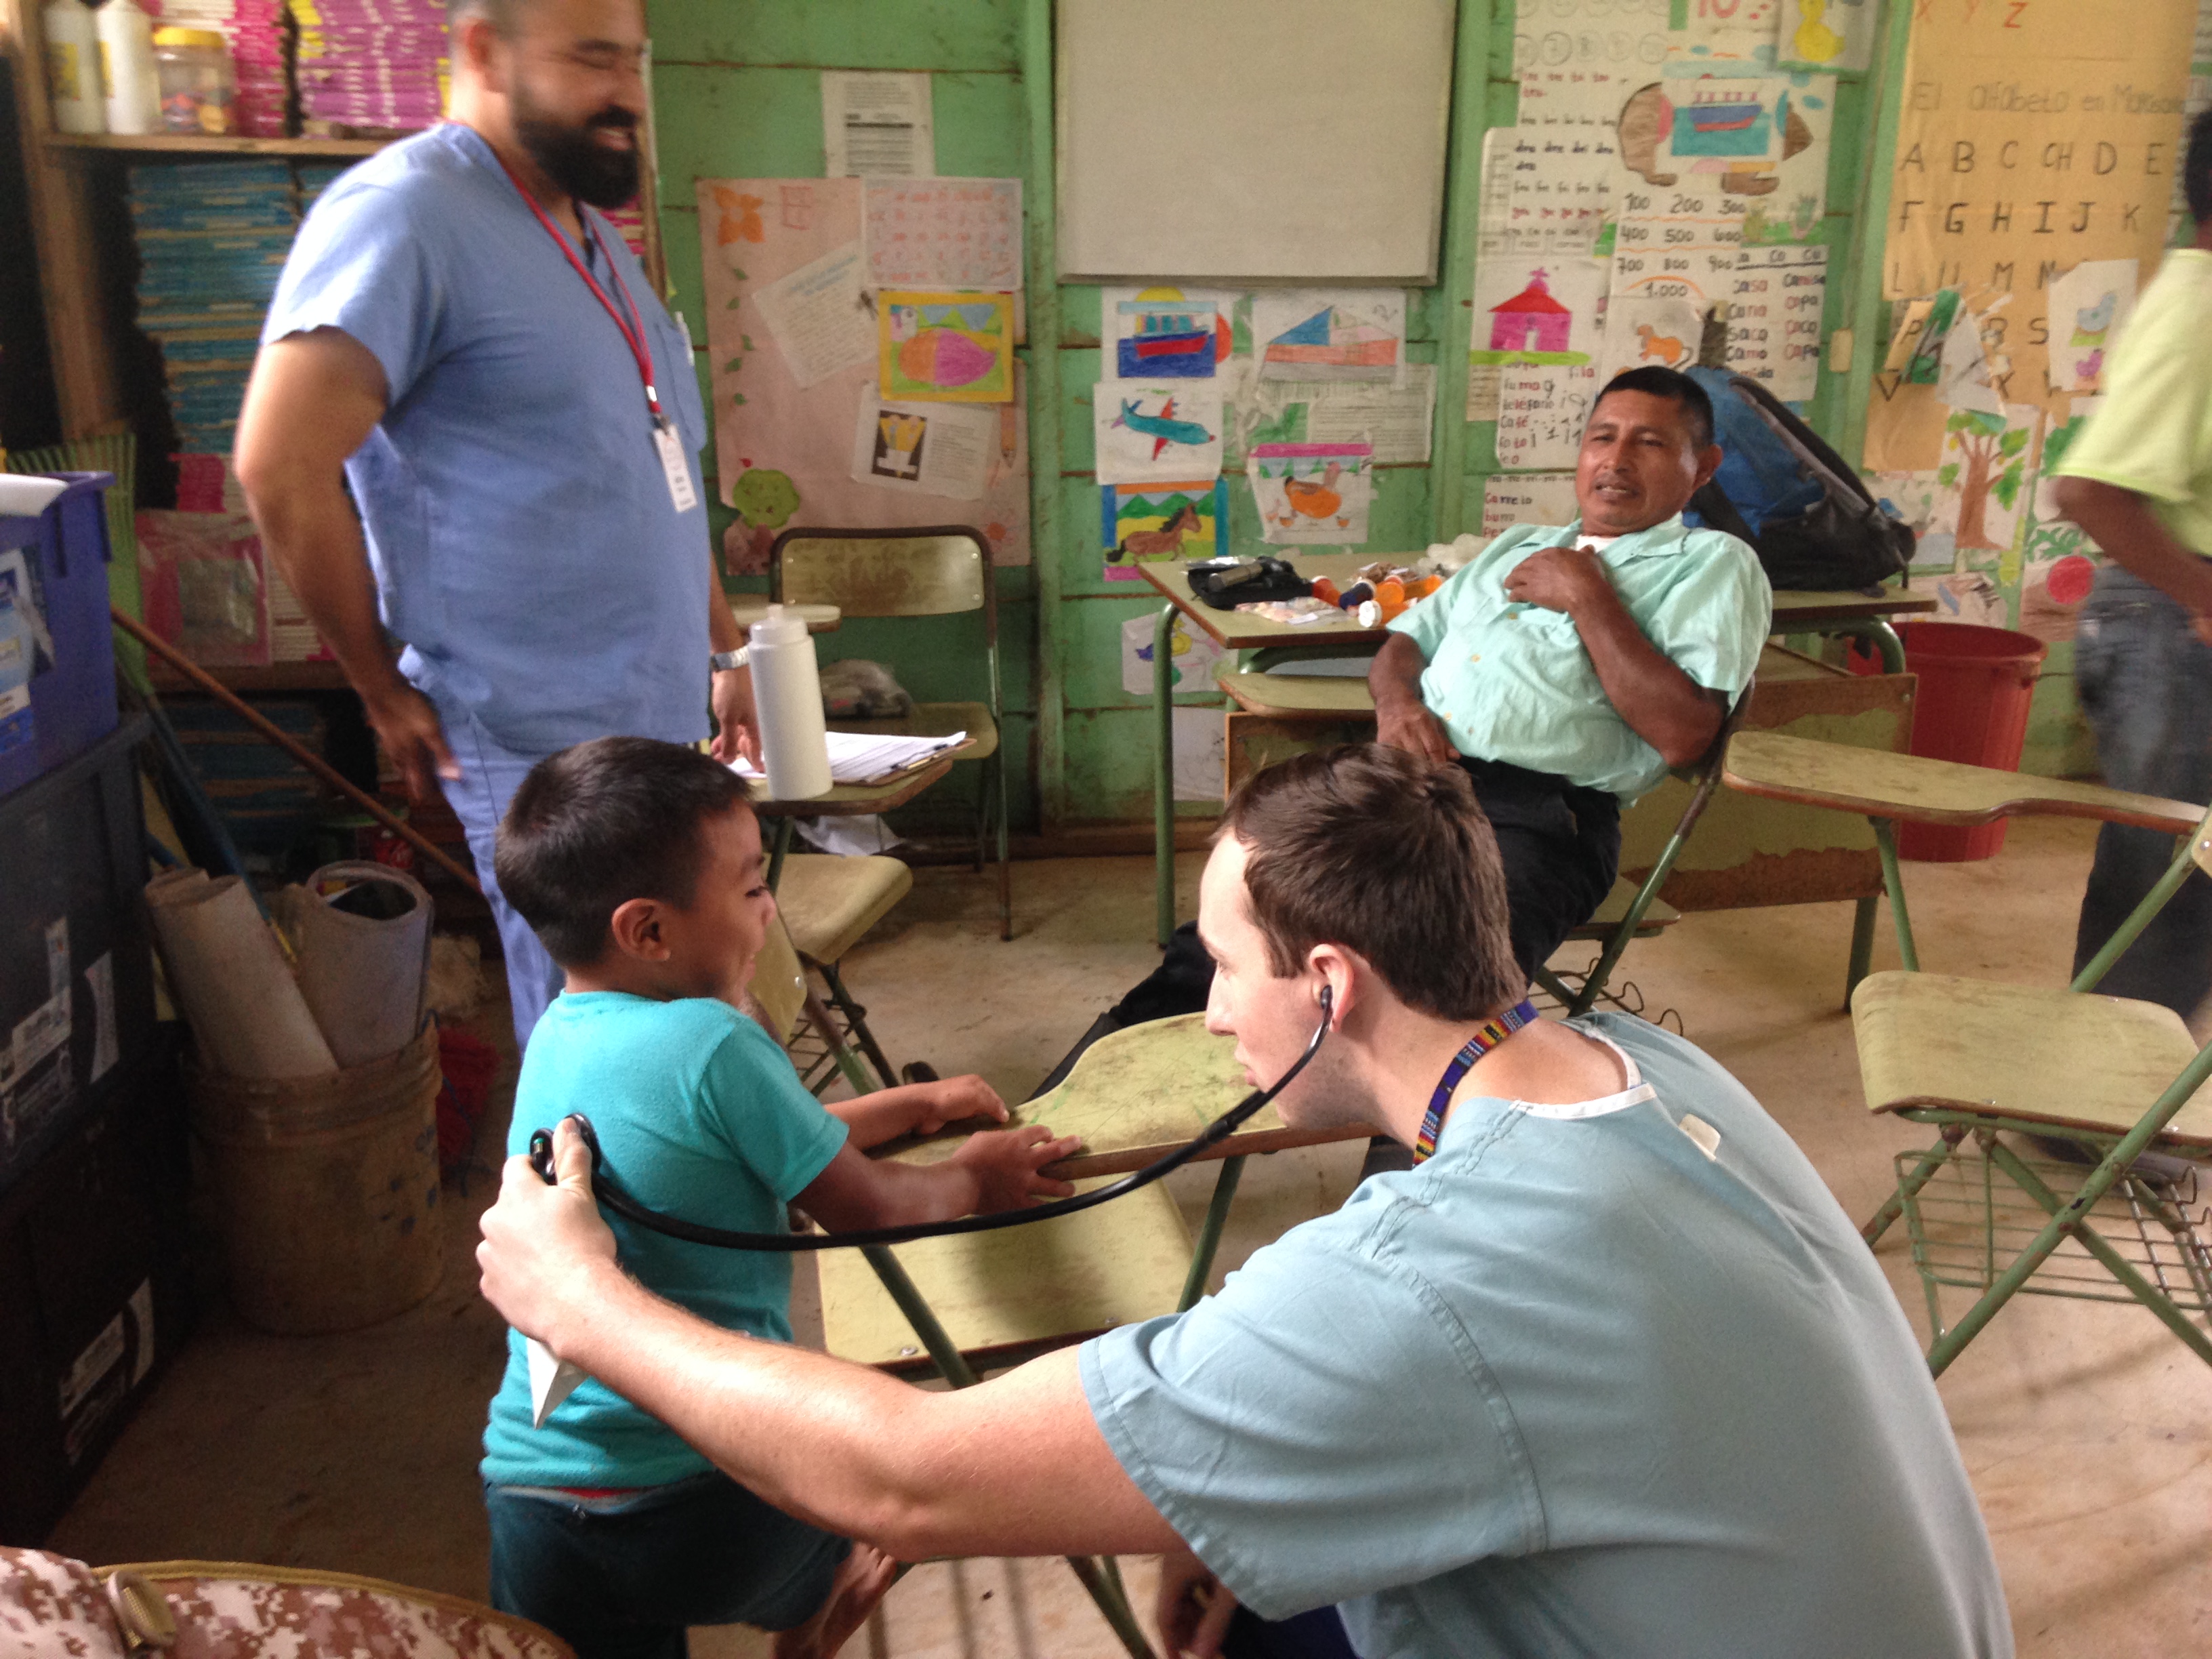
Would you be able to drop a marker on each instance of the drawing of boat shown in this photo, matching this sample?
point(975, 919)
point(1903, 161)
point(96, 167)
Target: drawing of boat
point(1723, 118)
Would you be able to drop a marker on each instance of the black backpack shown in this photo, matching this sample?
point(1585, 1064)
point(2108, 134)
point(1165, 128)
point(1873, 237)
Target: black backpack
point(1798, 503)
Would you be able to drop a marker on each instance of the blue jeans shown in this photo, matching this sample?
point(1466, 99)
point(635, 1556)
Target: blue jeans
point(2145, 681)
point(490, 776)
point(622, 1578)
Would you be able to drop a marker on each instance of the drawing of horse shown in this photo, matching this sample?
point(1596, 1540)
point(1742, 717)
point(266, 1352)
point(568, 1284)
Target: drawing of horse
point(1163, 543)
point(1664, 347)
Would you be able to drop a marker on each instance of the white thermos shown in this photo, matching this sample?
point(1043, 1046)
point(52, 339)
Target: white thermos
point(126, 64)
point(787, 691)
point(73, 67)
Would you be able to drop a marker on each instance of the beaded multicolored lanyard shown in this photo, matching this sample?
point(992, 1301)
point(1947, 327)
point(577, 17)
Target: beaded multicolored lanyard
point(1487, 1037)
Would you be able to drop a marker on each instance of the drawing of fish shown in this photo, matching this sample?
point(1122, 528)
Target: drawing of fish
point(1162, 428)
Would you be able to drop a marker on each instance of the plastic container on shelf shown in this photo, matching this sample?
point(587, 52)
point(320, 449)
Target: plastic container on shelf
point(73, 67)
point(198, 86)
point(127, 69)
point(1976, 684)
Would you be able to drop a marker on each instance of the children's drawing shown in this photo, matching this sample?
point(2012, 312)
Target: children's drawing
point(1964, 596)
point(1720, 119)
point(1157, 523)
point(1163, 335)
point(1700, 31)
point(952, 346)
point(1191, 658)
point(1537, 310)
point(1641, 332)
point(1986, 460)
point(1356, 334)
point(1148, 432)
point(1925, 508)
point(1826, 34)
point(2058, 437)
point(2052, 590)
point(2088, 306)
point(1312, 494)
point(1786, 205)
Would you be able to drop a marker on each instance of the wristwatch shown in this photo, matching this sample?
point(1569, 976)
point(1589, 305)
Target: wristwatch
point(721, 661)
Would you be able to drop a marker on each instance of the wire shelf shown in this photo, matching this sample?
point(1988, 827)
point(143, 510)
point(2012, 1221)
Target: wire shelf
point(1971, 1221)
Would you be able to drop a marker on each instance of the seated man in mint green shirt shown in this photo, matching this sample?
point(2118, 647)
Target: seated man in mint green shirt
point(1566, 670)
point(639, 864)
point(1610, 1373)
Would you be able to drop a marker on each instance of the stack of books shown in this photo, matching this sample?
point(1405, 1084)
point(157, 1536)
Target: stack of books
point(378, 65)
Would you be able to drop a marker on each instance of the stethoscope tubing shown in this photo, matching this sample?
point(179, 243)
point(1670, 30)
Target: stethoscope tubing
point(612, 1196)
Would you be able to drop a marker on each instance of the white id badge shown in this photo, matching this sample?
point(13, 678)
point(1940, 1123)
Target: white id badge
point(673, 463)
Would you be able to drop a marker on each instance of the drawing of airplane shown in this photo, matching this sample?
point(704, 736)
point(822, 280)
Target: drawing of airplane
point(1162, 428)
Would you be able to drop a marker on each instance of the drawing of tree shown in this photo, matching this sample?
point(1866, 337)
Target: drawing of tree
point(1993, 462)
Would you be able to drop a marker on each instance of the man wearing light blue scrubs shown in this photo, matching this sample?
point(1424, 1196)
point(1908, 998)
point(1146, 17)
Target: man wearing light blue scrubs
point(461, 340)
point(1610, 1373)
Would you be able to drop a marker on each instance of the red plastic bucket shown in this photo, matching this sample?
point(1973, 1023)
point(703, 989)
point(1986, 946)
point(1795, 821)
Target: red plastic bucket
point(1976, 684)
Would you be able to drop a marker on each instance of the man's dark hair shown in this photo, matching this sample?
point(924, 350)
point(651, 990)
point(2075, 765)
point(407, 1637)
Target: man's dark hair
point(609, 821)
point(2197, 168)
point(1386, 854)
point(1675, 387)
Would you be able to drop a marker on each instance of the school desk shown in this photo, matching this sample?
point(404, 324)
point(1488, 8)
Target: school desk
point(1272, 643)
point(844, 800)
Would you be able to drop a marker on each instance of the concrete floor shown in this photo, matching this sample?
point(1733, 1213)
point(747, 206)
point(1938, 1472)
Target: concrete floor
point(2087, 1428)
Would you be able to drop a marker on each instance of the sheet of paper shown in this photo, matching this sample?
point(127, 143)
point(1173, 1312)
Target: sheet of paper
point(1705, 32)
point(1511, 498)
point(1542, 412)
point(877, 126)
point(1774, 318)
point(1200, 754)
point(2089, 306)
point(1722, 126)
point(1560, 194)
point(1786, 203)
point(1312, 495)
point(928, 448)
point(552, 1381)
point(1677, 242)
point(1395, 420)
point(1164, 333)
point(783, 452)
point(1966, 377)
point(1192, 656)
point(870, 756)
point(819, 317)
point(1154, 524)
point(945, 345)
point(1641, 330)
point(1827, 34)
point(1535, 310)
point(1156, 432)
point(1329, 334)
point(945, 233)
point(1982, 482)
point(1916, 499)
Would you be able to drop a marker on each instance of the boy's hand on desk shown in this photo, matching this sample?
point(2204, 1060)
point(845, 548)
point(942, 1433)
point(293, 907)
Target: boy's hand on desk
point(1005, 1163)
point(950, 1100)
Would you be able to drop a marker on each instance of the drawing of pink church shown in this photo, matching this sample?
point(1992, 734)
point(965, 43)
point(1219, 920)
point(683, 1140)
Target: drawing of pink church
point(1532, 320)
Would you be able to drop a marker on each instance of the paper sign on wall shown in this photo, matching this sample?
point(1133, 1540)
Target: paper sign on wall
point(928, 448)
point(1827, 34)
point(1157, 524)
point(945, 346)
point(1542, 412)
point(1163, 333)
point(1643, 332)
point(1545, 498)
point(1774, 318)
point(1191, 660)
point(945, 233)
point(1149, 432)
point(2089, 305)
point(1537, 310)
point(877, 125)
point(1321, 334)
point(1312, 494)
point(820, 319)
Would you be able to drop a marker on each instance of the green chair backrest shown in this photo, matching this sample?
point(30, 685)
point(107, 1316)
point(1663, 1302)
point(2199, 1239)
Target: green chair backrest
point(939, 571)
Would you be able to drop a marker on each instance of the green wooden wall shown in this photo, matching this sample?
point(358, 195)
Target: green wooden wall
point(738, 94)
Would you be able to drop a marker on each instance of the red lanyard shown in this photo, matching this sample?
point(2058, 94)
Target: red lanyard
point(633, 332)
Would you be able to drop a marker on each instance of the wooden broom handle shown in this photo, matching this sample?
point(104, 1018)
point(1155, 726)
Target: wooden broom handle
point(307, 757)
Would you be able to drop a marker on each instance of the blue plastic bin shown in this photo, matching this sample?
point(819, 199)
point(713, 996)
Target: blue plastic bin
point(57, 654)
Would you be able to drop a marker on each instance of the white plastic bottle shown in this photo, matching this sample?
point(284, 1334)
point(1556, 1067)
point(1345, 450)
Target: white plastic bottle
point(787, 690)
point(126, 68)
point(73, 67)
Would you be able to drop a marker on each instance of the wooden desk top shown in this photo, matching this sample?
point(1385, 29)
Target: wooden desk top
point(1239, 630)
point(853, 800)
point(1140, 1094)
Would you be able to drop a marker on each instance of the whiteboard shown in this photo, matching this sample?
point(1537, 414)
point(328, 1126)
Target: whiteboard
point(1252, 140)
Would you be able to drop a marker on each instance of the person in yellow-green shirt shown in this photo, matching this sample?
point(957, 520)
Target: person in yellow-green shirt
point(2139, 482)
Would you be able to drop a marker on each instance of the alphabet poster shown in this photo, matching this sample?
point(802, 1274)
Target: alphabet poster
point(2032, 138)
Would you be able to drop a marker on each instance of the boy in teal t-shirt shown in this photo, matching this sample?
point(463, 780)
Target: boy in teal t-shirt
point(639, 865)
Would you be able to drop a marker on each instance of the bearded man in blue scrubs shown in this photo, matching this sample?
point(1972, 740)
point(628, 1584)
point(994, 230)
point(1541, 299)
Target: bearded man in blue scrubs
point(460, 341)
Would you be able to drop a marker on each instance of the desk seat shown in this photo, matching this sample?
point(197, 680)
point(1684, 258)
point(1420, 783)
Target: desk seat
point(1313, 696)
point(1000, 1295)
point(937, 719)
point(828, 903)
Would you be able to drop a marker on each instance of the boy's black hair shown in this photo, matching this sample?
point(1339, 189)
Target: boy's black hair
point(603, 823)
point(2197, 168)
point(1675, 387)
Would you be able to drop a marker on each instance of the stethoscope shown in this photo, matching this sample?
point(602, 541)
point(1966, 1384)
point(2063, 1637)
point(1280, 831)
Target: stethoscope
point(608, 1192)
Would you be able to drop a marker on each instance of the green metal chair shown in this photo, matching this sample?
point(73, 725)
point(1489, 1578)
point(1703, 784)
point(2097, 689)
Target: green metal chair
point(936, 571)
point(2114, 1077)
